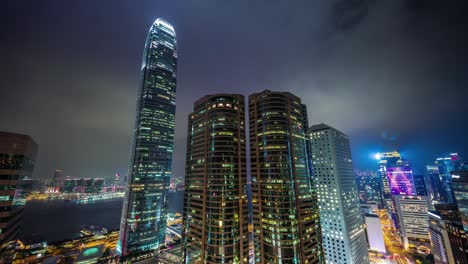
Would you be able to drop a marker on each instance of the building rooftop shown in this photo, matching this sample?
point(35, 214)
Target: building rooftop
point(319, 127)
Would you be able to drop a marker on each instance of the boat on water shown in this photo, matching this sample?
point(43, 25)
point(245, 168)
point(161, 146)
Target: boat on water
point(92, 230)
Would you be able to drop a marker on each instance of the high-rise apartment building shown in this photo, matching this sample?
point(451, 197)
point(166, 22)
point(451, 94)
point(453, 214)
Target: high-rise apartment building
point(344, 239)
point(17, 156)
point(285, 212)
point(215, 218)
point(143, 224)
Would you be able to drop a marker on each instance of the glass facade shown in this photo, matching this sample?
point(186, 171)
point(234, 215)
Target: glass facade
point(460, 189)
point(285, 213)
point(369, 187)
point(444, 228)
point(215, 218)
point(344, 239)
point(446, 165)
point(433, 183)
point(143, 223)
point(420, 185)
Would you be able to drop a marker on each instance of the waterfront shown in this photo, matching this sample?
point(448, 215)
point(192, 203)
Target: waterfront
point(57, 220)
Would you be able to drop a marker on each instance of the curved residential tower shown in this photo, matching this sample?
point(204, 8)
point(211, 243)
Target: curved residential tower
point(215, 223)
point(143, 223)
point(285, 212)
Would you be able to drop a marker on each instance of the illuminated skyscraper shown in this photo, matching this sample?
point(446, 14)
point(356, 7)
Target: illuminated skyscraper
point(344, 238)
point(420, 186)
point(285, 213)
point(118, 179)
point(57, 179)
point(446, 165)
point(447, 236)
point(369, 187)
point(396, 175)
point(215, 219)
point(460, 188)
point(17, 156)
point(143, 224)
point(433, 184)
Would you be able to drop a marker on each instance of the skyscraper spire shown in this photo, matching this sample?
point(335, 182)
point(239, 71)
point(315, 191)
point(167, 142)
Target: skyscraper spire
point(143, 223)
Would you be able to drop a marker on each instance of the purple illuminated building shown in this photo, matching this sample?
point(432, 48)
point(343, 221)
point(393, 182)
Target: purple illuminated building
point(401, 180)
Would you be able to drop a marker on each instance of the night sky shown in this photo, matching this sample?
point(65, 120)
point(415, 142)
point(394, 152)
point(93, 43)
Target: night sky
point(389, 73)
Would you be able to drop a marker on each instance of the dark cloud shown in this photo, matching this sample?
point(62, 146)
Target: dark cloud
point(350, 13)
point(370, 68)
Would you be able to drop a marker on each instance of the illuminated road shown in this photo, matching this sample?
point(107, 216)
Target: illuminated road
point(174, 232)
point(398, 254)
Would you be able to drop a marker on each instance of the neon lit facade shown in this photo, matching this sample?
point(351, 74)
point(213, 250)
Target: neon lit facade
point(215, 218)
point(143, 223)
point(386, 160)
point(285, 213)
point(401, 180)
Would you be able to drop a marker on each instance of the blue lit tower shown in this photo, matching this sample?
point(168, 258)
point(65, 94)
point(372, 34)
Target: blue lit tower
point(446, 165)
point(143, 223)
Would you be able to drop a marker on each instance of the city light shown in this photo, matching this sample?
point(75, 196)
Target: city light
point(246, 175)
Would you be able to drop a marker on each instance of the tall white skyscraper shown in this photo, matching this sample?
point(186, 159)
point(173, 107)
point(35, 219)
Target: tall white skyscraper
point(344, 239)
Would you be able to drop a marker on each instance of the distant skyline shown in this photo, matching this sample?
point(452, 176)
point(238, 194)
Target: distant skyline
point(390, 74)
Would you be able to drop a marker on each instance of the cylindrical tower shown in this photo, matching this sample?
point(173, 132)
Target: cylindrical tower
point(285, 212)
point(215, 222)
